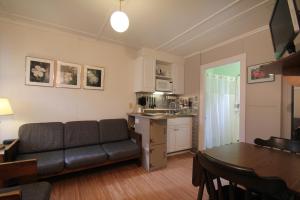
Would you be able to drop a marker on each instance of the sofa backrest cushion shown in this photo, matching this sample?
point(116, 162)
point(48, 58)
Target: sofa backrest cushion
point(113, 130)
point(81, 133)
point(39, 137)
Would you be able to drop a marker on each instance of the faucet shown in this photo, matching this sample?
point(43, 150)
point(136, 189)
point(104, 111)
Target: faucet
point(172, 107)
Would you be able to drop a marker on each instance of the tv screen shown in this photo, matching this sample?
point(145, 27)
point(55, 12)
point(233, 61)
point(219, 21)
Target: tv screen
point(284, 25)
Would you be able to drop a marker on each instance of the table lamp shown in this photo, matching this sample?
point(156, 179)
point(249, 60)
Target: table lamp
point(5, 109)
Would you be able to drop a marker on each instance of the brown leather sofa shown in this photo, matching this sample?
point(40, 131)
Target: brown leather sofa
point(13, 173)
point(62, 148)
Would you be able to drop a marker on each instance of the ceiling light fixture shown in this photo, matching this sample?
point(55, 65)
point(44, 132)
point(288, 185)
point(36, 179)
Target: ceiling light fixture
point(119, 20)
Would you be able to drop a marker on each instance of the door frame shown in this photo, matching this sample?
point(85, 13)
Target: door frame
point(243, 69)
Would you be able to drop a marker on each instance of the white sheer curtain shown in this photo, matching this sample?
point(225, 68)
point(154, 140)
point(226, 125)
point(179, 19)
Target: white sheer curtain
point(221, 110)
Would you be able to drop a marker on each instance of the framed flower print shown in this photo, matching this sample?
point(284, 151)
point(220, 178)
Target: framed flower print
point(39, 72)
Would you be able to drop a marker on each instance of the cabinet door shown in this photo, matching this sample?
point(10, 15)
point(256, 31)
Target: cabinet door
point(144, 77)
point(157, 132)
point(171, 139)
point(183, 138)
point(158, 158)
point(148, 74)
point(178, 78)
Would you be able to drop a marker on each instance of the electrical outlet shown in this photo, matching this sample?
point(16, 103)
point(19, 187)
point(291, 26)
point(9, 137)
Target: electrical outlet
point(130, 105)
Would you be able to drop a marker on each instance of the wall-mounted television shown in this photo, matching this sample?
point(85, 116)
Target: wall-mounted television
point(284, 26)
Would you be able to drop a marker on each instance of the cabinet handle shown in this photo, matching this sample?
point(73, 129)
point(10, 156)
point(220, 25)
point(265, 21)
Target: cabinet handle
point(151, 150)
point(175, 129)
point(151, 141)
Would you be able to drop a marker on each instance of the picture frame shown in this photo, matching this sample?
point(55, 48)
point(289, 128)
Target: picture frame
point(256, 75)
point(68, 75)
point(93, 77)
point(39, 72)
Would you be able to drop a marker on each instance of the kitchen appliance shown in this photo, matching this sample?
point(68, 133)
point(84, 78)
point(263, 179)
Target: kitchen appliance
point(141, 104)
point(284, 26)
point(142, 101)
point(163, 85)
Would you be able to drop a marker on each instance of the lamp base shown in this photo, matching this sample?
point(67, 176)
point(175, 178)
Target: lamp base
point(2, 146)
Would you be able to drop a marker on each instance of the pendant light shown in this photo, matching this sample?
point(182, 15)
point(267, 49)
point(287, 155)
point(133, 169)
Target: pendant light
point(119, 20)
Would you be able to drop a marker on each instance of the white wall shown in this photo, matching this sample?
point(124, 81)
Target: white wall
point(43, 104)
point(263, 100)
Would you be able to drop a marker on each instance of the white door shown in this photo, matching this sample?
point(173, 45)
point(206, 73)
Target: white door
point(203, 100)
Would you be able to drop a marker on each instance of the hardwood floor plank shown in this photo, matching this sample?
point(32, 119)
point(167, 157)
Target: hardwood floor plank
point(127, 181)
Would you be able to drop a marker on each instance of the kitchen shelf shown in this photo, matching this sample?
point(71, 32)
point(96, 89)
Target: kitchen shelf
point(162, 77)
point(288, 66)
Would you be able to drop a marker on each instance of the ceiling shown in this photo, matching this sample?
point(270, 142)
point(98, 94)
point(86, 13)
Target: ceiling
point(181, 27)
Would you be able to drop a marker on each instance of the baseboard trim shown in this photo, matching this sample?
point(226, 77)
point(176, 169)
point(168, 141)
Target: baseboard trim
point(179, 152)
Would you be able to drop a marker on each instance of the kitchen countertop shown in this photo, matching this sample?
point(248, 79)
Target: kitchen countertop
point(160, 116)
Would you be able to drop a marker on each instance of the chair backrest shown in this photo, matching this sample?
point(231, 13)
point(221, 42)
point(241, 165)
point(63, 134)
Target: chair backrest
point(280, 143)
point(246, 177)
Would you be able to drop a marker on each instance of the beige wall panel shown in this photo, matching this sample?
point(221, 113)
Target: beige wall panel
point(43, 104)
point(261, 122)
point(226, 51)
point(263, 100)
point(259, 48)
point(192, 76)
point(264, 94)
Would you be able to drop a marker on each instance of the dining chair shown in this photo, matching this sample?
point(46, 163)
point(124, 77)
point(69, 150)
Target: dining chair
point(200, 179)
point(280, 143)
point(255, 187)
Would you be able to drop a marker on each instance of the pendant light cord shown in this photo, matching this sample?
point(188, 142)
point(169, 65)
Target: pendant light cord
point(120, 6)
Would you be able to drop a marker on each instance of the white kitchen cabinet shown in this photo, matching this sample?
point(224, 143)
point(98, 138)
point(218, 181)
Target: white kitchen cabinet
point(179, 134)
point(144, 78)
point(171, 139)
point(178, 78)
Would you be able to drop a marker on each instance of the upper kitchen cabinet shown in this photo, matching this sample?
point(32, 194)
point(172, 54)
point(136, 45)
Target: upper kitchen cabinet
point(158, 71)
point(144, 79)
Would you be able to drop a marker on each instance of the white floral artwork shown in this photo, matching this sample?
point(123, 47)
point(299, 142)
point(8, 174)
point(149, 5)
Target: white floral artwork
point(93, 77)
point(39, 72)
point(68, 75)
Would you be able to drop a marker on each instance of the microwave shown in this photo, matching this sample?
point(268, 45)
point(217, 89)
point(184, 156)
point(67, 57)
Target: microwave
point(163, 85)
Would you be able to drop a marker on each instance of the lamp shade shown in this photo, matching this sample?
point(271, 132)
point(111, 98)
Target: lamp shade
point(119, 21)
point(5, 108)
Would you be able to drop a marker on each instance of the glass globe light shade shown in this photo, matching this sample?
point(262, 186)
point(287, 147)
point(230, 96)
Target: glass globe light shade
point(119, 21)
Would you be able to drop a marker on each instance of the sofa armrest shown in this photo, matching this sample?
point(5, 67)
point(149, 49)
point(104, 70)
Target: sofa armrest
point(18, 171)
point(11, 195)
point(11, 150)
point(8, 141)
point(136, 136)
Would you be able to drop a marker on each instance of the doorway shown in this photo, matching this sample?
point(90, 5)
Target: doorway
point(222, 102)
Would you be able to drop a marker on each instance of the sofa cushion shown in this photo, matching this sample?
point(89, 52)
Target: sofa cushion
point(81, 133)
point(34, 191)
point(112, 130)
point(47, 162)
point(81, 156)
point(121, 149)
point(39, 137)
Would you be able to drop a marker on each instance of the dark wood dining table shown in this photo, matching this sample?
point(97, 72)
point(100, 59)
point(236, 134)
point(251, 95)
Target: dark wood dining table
point(264, 161)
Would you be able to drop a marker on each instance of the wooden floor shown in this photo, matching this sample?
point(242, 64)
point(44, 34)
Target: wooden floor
point(127, 181)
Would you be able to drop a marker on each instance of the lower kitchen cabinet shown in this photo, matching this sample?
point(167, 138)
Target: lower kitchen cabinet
point(157, 156)
point(179, 134)
point(154, 136)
